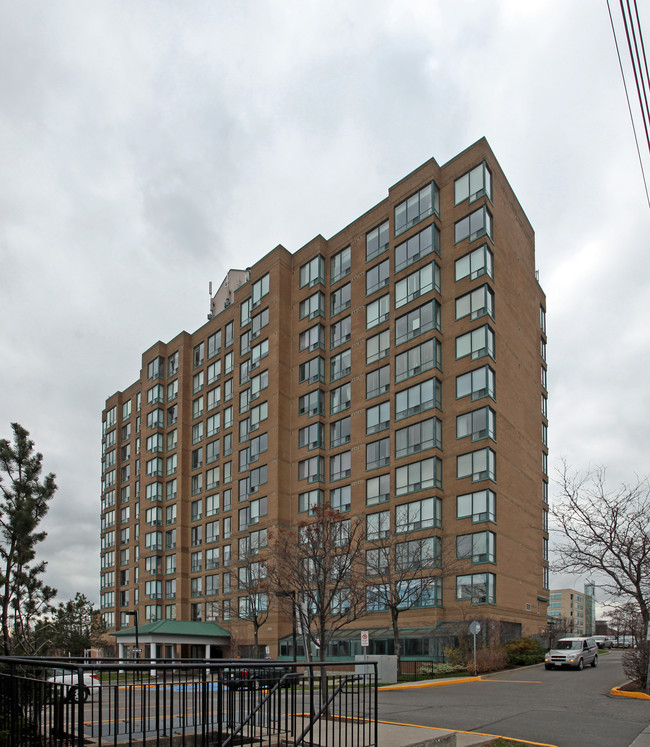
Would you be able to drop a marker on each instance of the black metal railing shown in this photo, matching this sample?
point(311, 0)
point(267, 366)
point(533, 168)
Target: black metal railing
point(190, 702)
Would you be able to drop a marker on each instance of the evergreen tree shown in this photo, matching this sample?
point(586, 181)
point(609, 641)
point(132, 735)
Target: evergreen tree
point(24, 501)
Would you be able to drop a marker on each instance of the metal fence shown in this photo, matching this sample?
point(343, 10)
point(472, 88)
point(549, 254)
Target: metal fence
point(189, 702)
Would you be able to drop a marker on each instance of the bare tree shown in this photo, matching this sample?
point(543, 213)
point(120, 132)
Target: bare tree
point(317, 566)
point(607, 532)
point(254, 604)
point(406, 573)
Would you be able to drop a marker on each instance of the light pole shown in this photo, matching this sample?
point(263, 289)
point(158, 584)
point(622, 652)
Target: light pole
point(136, 650)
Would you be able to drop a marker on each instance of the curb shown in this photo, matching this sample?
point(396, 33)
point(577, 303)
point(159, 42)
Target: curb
point(626, 694)
point(439, 683)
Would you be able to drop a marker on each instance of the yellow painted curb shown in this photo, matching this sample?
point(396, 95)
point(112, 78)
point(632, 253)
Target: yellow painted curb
point(430, 684)
point(460, 731)
point(626, 694)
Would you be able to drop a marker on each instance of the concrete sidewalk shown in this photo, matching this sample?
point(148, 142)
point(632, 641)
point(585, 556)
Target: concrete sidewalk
point(398, 735)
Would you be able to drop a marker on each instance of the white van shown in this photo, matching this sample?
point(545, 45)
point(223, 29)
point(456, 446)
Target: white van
point(572, 652)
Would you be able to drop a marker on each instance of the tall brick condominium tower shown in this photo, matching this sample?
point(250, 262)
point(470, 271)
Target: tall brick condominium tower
point(396, 371)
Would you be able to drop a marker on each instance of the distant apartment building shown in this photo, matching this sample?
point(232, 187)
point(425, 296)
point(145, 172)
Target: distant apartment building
point(396, 371)
point(573, 610)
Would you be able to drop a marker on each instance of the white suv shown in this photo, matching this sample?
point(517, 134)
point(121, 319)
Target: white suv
point(572, 652)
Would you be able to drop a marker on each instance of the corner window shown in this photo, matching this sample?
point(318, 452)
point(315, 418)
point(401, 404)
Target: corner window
point(340, 365)
point(312, 338)
point(479, 588)
point(313, 272)
point(417, 207)
point(474, 225)
point(422, 475)
point(422, 357)
point(340, 332)
point(473, 184)
point(478, 424)
point(424, 514)
point(418, 246)
point(477, 343)
point(340, 398)
point(259, 289)
point(478, 506)
point(423, 319)
point(340, 299)
point(340, 432)
point(475, 304)
point(479, 465)
point(312, 306)
point(479, 547)
point(427, 434)
point(312, 371)
point(416, 284)
point(478, 383)
point(478, 262)
point(418, 398)
point(377, 277)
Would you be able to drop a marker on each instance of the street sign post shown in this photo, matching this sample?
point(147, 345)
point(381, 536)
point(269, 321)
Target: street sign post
point(475, 629)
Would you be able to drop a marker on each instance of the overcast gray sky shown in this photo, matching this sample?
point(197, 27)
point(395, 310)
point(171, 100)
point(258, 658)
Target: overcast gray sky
point(147, 147)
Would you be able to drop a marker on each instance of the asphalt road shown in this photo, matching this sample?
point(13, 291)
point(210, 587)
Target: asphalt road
point(566, 708)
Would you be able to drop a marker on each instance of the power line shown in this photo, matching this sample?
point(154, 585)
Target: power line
point(627, 96)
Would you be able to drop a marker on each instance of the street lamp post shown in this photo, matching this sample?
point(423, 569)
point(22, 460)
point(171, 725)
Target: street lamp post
point(134, 613)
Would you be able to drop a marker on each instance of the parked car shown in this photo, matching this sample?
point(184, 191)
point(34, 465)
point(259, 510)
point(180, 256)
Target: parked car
point(572, 652)
point(603, 641)
point(251, 677)
point(69, 681)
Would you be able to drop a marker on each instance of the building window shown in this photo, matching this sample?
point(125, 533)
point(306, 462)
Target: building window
point(340, 432)
point(312, 436)
point(230, 334)
point(156, 368)
point(312, 306)
point(214, 344)
point(340, 365)
point(478, 262)
point(172, 364)
point(479, 547)
point(312, 338)
point(479, 465)
point(474, 225)
point(340, 265)
point(418, 246)
point(477, 424)
point(478, 383)
point(477, 587)
point(377, 312)
point(259, 289)
point(378, 382)
point(423, 514)
point(417, 554)
point(377, 490)
point(477, 343)
point(417, 207)
point(340, 498)
point(340, 332)
point(416, 284)
point(309, 500)
point(311, 403)
point(475, 304)
point(377, 526)
point(377, 347)
point(340, 299)
point(542, 319)
point(258, 414)
point(378, 454)
point(418, 398)
point(259, 383)
point(473, 184)
point(416, 322)
point(427, 434)
point(422, 475)
point(544, 405)
point(377, 241)
point(378, 417)
point(340, 398)
point(377, 277)
point(312, 371)
point(312, 469)
point(479, 506)
point(340, 465)
point(313, 272)
point(423, 357)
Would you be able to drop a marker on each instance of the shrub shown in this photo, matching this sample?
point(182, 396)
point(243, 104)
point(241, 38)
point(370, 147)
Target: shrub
point(440, 668)
point(490, 659)
point(524, 651)
point(635, 663)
